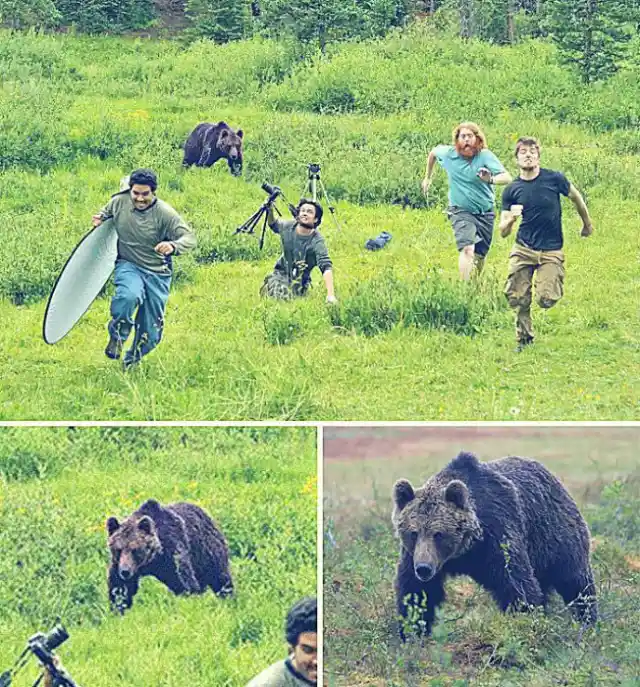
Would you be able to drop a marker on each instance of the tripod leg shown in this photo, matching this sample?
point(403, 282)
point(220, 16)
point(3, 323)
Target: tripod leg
point(249, 226)
point(264, 231)
point(332, 209)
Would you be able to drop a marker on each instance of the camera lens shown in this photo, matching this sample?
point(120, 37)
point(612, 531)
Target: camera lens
point(268, 188)
point(53, 639)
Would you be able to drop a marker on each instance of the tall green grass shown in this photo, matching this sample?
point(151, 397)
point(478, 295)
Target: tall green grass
point(60, 484)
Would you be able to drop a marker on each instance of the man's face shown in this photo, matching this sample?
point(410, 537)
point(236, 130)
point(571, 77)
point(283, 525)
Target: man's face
point(142, 196)
point(528, 157)
point(467, 142)
point(307, 215)
point(305, 656)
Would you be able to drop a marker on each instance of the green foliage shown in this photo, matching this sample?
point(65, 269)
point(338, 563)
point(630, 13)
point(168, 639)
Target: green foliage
point(616, 517)
point(312, 21)
point(22, 14)
point(281, 323)
point(322, 22)
point(220, 20)
point(380, 304)
point(99, 16)
point(591, 35)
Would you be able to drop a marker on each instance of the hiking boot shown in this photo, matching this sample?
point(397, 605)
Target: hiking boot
point(522, 344)
point(114, 348)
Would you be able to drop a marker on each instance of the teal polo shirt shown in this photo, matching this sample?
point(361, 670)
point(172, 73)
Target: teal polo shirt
point(466, 190)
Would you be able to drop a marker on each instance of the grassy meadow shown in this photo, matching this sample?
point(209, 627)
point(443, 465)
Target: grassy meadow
point(59, 485)
point(78, 113)
point(472, 642)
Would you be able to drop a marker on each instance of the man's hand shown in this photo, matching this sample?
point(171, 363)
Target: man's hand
point(164, 248)
point(96, 220)
point(332, 300)
point(426, 183)
point(485, 175)
point(587, 230)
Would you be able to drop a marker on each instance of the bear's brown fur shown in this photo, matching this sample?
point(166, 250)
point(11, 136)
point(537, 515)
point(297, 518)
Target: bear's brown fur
point(508, 524)
point(178, 544)
point(208, 143)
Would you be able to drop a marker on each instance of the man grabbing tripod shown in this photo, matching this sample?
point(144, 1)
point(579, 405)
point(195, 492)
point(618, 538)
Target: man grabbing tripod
point(303, 248)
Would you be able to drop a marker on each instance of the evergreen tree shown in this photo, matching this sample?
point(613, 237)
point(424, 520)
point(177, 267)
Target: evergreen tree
point(22, 14)
point(313, 21)
point(219, 20)
point(591, 34)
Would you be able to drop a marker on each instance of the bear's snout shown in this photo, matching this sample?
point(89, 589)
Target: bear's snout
point(125, 573)
point(424, 571)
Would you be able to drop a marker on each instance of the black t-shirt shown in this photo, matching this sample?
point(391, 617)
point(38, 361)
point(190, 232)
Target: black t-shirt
point(541, 223)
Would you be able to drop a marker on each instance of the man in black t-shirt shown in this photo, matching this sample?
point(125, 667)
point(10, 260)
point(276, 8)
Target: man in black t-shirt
point(534, 197)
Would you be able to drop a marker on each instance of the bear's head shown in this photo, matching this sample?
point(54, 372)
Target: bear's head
point(133, 543)
point(436, 523)
point(230, 145)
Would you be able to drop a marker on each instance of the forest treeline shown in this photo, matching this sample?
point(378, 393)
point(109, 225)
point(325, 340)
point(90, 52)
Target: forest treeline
point(592, 35)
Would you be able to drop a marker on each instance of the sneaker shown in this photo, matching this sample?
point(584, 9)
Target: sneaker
point(114, 348)
point(129, 361)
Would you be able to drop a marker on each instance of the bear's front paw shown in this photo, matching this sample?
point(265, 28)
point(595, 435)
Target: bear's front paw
point(120, 599)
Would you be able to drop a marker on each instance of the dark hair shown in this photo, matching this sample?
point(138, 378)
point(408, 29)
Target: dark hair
point(316, 205)
point(527, 141)
point(303, 617)
point(144, 177)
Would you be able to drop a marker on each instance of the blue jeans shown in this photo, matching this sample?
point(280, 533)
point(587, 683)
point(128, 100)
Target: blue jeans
point(148, 292)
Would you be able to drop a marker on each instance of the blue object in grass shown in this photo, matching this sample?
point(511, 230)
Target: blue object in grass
point(379, 242)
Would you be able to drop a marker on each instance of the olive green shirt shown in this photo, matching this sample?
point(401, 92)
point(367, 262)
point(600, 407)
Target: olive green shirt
point(300, 254)
point(280, 674)
point(139, 231)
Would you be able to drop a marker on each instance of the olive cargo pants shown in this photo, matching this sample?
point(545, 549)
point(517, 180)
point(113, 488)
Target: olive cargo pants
point(548, 266)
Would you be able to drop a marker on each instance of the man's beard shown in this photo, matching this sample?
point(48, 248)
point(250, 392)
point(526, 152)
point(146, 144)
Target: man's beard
point(467, 151)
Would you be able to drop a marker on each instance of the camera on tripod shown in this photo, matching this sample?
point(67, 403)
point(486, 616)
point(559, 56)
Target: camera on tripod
point(42, 645)
point(273, 191)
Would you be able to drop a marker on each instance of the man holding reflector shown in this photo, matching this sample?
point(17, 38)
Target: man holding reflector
point(150, 232)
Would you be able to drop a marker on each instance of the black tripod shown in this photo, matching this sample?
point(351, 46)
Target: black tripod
point(311, 186)
point(249, 226)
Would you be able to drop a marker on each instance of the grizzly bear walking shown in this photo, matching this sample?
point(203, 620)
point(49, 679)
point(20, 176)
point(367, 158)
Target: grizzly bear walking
point(178, 544)
point(208, 143)
point(508, 524)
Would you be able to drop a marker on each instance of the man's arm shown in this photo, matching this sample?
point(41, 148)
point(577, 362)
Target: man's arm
point(327, 275)
point(178, 235)
point(105, 213)
point(502, 179)
point(431, 161)
point(576, 198)
point(494, 171)
point(507, 220)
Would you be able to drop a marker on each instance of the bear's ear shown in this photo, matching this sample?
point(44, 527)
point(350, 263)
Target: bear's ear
point(456, 492)
point(402, 493)
point(112, 525)
point(224, 133)
point(145, 524)
point(240, 133)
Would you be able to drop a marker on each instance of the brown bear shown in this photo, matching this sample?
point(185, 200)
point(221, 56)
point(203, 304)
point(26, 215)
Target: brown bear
point(178, 544)
point(207, 143)
point(509, 524)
